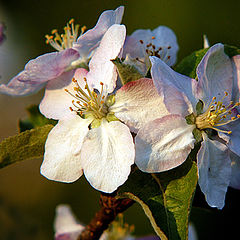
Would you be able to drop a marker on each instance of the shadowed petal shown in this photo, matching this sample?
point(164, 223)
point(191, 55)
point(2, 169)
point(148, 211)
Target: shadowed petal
point(215, 75)
point(174, 87)
point(90, 40)
point(107, 155)
point(137, 103)
point(236, 76)
point(17, 88)
point(38, 71)
point(235, 166)
point(48, 66)
point(163, 144)
point(214, 168)
point(62, 150)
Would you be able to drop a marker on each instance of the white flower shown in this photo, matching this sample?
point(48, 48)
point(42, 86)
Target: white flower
point(86, 140)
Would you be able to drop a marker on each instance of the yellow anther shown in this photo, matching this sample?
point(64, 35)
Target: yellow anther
point(214, 98)
point(226, 93)
point(153, 37)
point(101, 83)
point(229, 132)
point(71, 21)
point(238, 116)
point(54, 31)
point(83, 29)
point(66, 90)
point(74, 80)
point(233, 118)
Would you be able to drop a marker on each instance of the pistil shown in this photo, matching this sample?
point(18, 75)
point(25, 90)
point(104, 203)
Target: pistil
point(88, 102)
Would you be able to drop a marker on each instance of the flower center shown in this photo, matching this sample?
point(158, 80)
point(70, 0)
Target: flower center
point(65, 40)
point(88, 103)
point(217, 115)
point(160, 52)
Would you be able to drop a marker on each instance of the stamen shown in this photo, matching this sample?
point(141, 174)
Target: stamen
point(88, 102)
point(65, 40)
point(217, 115)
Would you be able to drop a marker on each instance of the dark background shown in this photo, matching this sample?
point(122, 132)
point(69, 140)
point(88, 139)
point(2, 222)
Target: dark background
point(28, 200)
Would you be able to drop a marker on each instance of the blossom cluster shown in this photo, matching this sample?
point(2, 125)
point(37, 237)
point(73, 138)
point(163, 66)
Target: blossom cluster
point(154, 121)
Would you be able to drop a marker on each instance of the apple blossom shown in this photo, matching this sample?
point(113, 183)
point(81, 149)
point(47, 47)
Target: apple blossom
point(161, 42)
point(71, 54)
point(204, 109)
point(88, 138)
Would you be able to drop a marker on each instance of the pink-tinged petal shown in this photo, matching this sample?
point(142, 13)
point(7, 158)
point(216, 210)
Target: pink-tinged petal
point(215, 76)
point(166, 39)
point(65, 224)
point(163, 144)
point(48, 66)
point(101, 69)
point(17, 88)
point(235, 166)
point(137, 103)
point(90, 40)
point(62, 150)
point(107, 155)
point(174, 87)
point(236, 78)
point(214, 169)
point(56, 101)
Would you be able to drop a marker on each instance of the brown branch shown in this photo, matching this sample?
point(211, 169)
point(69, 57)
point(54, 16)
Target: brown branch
point(110, 208)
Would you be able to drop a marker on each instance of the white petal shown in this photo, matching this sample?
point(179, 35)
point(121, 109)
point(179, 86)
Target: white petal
point(65, 221)
point(62, 150)
point(215, 76)
point(176, 88)
point(107, 155)
point(56, 101)
point(214, 169)
point(137, 103)
point(235, 166)
point(101, 68)
point(163, 144)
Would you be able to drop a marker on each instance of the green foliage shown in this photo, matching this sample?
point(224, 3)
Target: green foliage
point(189, 64)
point(35, 119)
point(26, 145)
point(166, 197)
point(190, 119)
point(231, 50)
point(127, 72)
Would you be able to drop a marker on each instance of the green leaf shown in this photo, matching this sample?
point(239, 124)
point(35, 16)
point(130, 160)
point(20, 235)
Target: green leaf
point(166, 198)
point(35, 119)
point(26, 145)
point(231, 50)
point(127, 72)
point(189, 64)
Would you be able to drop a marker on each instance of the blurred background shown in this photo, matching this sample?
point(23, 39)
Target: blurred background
point(27, 199)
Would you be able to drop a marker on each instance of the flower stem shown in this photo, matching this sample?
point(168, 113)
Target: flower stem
point(110, 208)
